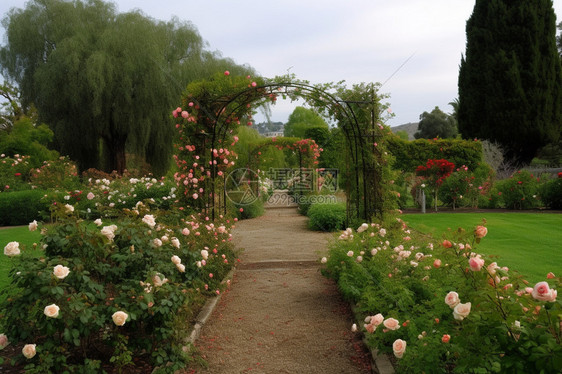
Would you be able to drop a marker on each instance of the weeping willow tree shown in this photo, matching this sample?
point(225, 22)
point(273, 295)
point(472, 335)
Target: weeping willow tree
point(105, 82)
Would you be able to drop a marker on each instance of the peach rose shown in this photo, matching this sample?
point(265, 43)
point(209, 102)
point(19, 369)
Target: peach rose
point(29, 350)
point(446, 338)
point(176, 260)
point(391, 324)
point(377, 319)
point(181, 268)
point(461, 311)
point(52, 311)
point(452, 299)
point(399, 347)
point(447, 244)
point(60, 271)
point(476, 263)
point(543, 292)
point(480, 232)
point(119, 318)
point(3, 341)
point(437, 263)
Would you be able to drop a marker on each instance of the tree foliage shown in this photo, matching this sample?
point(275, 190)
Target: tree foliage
point(300, 120)
point(101, 77)
point(510, 81)
point(436, 124)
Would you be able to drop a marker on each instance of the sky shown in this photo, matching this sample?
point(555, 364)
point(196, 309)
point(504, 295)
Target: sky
point(412, 47)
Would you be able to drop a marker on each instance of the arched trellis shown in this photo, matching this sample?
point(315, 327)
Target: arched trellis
point(363, 172)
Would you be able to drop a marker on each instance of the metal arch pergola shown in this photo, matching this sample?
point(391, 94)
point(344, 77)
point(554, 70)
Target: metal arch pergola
point(364, 202)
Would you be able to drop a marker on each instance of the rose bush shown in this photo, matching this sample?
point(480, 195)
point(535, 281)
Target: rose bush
point(451, 303)
point(104, 293)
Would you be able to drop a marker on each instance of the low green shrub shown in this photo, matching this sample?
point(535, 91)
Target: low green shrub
point(520, 191)
point(250, 210)
point(22, 207)
point(327, 217)
point(551, 193)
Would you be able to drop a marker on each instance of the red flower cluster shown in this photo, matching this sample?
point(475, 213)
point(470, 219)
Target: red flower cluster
point(436, 171)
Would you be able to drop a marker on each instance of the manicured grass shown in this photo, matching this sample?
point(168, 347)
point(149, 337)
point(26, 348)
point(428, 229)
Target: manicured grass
point(530, 243)
point(26, 239)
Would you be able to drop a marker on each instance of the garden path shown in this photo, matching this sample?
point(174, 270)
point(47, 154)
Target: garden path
point(280, 314)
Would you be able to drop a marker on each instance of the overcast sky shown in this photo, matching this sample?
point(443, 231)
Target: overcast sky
point(331, 40)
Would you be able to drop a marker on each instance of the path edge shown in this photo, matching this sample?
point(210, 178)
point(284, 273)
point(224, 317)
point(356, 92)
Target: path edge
point(206, 311)
point(380, 362)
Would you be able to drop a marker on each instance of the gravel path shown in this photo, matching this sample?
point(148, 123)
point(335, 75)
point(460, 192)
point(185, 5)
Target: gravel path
point(280, 314)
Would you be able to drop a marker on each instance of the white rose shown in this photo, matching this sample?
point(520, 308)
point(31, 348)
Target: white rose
point(362, 228)
point(12, 249)
point(176, 260)
point(204, 254)
point(109, 231)
point(461, 311)
point(149, 220)
point(157, 242)
point(324, 260)
point(98, 222)
point(52, 311)
point(69, 208)
point(33, 226)
point(119, 318)
point(181, 267)
point(61, 271)
point(29, 350)
point(175, 242)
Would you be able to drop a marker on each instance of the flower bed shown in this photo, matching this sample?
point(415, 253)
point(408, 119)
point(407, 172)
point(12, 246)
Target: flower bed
point(111, 293)
point(439, 306)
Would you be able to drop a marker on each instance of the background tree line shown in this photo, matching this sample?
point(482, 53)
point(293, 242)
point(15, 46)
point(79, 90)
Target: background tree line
point(104, 82)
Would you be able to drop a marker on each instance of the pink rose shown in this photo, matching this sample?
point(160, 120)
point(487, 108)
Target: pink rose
point(399, 347)
point(90, 196)
point(452, 299)
point(480, 232)
point(542, 292)
point(437, 263)
point(476, 263)
point(391, 324)
point(377, 319)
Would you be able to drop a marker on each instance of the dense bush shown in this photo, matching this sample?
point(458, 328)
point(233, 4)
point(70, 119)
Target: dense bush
point(60, 173)
point(520, 191)
point(14, 173)
point(410, 154)
point(22, 207)
point(327, 217)
point(438, 304)
point(464, 187)
point(111, 293)
point(551, 193)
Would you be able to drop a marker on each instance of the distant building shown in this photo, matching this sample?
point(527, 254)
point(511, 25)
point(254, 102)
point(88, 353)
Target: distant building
point(273, 134)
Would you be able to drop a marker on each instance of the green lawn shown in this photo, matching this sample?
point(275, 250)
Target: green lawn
point(26, 239)
point(530, 243)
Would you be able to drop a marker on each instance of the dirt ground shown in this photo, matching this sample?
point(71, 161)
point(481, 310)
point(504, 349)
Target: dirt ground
point(280, 314)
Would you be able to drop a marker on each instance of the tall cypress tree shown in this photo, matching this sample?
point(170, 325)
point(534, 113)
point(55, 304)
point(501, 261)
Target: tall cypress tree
point(510, 81)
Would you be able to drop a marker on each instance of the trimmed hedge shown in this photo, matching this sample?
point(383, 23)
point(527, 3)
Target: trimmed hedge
point(410, 154)
point(22, 207)
point(327, 217)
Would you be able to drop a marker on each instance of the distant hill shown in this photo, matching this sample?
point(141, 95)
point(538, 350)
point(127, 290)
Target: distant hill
point(410, 129)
